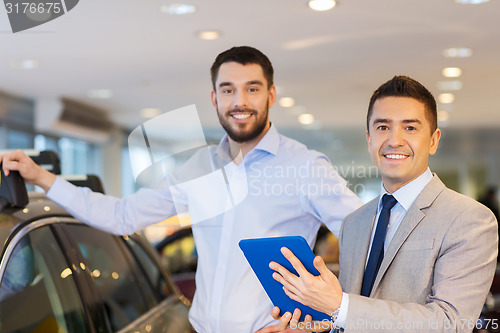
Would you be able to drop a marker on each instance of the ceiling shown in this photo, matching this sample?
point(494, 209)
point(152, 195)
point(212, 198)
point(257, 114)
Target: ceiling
point(329, 62)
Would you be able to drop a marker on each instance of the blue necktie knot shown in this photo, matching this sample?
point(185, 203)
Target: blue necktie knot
point(388, 201)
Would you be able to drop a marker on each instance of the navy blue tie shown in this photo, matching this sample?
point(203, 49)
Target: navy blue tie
point(377, 251)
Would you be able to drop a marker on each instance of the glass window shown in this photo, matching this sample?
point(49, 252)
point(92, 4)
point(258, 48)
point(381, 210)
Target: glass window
point(121, 289)
point(19, 139)
point(74, 156)
point(181, 255)
point(151, 269)
point(43, 142)
point(129, 186)
point(38, 292)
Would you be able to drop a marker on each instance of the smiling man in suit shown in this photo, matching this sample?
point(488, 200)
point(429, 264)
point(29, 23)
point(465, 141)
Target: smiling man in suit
point(420, 257)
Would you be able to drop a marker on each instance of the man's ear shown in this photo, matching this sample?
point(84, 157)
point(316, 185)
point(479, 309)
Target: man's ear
point(368, 139)
point(213, 97)
point(272, 96)
point(435, 141)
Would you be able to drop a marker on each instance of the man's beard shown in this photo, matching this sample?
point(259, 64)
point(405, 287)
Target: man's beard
point(236, 134)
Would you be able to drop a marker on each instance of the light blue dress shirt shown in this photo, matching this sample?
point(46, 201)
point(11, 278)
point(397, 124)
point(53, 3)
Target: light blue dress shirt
point(281, 188)
point(405, 196)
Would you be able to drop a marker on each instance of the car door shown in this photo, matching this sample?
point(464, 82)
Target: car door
point(38, 291)
point(135, 295)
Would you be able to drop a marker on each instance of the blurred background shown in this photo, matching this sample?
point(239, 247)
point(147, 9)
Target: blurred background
point(80, 84)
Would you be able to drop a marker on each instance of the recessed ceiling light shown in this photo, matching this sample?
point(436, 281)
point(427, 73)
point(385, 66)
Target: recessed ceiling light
point(209, 34)
point(449, 85)
point(100, 93)
point(452, 72)
point(150, 112)
point(24, 64)
point(306, 119)
point(457, 52)
point(178, 9)
point(286, 102)
point(446, 98)
point(471, 2)
point(321, 5)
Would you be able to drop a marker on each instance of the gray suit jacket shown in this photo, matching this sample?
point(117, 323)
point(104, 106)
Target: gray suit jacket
point(436, 271)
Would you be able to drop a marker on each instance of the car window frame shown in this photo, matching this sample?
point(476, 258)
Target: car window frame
point(88, 292)
point(22, 230)
point(155, 258)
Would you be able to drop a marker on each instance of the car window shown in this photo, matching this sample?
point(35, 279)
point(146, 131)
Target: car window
point(126, 295)
point(181, 255)
point(38, 292)
point(156, 279)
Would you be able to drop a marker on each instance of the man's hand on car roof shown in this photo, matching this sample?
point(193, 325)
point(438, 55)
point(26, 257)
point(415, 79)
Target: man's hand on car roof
point(29, 170)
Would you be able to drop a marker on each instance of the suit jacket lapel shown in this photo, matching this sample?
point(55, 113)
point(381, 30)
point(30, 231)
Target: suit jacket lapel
point(359, 248)
point(412, 218)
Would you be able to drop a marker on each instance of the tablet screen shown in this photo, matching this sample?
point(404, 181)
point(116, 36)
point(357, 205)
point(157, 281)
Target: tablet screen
point(261, 251)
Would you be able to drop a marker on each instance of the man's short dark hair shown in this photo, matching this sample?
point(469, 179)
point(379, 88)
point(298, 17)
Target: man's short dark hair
point(243, 55)
point(404, 86)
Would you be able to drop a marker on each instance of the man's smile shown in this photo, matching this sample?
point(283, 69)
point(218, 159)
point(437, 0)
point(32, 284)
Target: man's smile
point(241, 115)
point(395, 156)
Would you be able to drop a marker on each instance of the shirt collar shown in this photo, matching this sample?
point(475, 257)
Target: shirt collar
point(407, 194)
point(269, 143)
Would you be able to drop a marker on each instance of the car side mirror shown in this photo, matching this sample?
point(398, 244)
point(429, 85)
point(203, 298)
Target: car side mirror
point(13, 193)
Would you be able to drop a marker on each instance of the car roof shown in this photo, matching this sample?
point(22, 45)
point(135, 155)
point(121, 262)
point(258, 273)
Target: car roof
point(39, 206)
